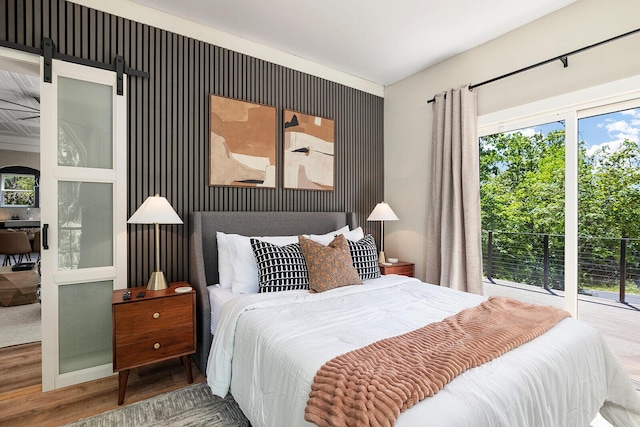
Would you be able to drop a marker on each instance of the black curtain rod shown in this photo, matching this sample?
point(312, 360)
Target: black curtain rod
point(563, 58)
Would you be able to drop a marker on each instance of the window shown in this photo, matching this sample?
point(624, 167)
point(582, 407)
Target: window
point(19, 187)
point(18, 190)
point(522, 187)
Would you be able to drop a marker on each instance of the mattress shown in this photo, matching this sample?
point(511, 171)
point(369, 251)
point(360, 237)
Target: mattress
point(268, 347)
point(217, 297)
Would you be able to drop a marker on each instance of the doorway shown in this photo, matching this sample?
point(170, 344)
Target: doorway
point(20, 319)
point(83, 160)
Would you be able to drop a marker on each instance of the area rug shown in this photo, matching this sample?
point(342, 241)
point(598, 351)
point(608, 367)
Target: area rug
point(190, 406)
point(19, 324)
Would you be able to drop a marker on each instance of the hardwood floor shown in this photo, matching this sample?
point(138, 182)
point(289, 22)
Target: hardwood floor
point(22, 402)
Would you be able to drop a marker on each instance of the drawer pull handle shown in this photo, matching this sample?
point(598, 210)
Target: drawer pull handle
point(156, 345)
point(156, 315)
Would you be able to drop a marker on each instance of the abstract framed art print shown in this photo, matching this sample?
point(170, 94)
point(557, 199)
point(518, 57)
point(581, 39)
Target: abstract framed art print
point(242, 143)
point(308, 152)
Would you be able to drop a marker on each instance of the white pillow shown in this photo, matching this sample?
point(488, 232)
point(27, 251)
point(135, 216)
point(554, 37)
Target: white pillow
point(225, 269)
point(325, 239)
point(353, 235)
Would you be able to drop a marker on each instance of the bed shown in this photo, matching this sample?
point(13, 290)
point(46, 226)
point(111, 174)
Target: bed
point(269, 346)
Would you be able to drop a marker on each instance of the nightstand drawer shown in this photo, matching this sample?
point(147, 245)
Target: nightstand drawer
point(140, 348)
point(152, 315)
point(401, 268)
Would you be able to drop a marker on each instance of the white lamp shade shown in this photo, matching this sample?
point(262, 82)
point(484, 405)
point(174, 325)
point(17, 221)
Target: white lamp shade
point(382, 212)
point(155, 210)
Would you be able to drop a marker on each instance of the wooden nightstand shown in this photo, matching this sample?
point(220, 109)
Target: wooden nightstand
point(400, 267)
point(159, 326)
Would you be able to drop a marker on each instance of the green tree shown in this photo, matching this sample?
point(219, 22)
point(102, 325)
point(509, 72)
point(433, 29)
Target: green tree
point(610, 192)
point(522, 196)
point(522, 190)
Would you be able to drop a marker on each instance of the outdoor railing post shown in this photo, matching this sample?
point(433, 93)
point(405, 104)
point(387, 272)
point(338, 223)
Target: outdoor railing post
point(623, 268)
point(490, 255)
point(546, 261)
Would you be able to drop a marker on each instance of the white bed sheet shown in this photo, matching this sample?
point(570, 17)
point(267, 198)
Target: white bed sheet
point(268, 348)
point(217, 297)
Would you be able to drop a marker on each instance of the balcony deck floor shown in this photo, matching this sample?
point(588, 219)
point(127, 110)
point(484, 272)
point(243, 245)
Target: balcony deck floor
point(618, 323)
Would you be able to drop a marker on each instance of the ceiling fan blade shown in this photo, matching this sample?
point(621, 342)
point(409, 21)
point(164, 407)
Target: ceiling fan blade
point(20, 105)
point(29, 118)
point(17, 111)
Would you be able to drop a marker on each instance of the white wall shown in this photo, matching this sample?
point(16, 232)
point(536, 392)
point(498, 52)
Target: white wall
point(408, 116)
point(19, 158)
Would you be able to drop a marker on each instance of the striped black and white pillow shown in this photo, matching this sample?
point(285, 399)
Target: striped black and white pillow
point(280, 268)
point(364, 255)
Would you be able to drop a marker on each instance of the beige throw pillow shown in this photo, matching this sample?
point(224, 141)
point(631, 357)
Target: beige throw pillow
point(329, 266)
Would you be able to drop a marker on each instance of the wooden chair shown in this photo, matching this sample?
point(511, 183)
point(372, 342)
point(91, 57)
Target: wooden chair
point(12, 244)
point(36, 244)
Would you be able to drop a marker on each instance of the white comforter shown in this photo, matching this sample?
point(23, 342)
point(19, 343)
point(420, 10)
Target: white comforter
point(268, 347)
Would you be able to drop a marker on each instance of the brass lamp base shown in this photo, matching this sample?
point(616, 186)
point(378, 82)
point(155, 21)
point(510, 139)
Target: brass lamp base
point(157, 282)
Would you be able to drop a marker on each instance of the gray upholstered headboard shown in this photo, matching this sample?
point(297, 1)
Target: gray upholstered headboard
point(203, 264)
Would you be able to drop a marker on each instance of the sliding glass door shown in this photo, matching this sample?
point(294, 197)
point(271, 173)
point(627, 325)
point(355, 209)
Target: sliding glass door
point(522, 186)
point(609, 238)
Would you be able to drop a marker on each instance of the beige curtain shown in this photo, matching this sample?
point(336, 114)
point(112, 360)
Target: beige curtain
point(454, 252)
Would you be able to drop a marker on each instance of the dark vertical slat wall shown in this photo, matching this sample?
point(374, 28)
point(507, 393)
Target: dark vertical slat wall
point(168, 121)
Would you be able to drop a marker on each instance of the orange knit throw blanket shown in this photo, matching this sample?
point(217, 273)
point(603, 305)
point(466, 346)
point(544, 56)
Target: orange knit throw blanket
point(372, 385)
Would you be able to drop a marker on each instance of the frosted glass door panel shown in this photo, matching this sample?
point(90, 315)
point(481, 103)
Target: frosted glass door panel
point(85, 225)
point(85, 325)
point(84, 205)
point(85, 124)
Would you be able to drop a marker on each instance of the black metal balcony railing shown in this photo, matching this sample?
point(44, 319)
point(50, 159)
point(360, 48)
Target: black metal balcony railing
point(538, 259)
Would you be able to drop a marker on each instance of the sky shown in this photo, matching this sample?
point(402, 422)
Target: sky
point(609, 129)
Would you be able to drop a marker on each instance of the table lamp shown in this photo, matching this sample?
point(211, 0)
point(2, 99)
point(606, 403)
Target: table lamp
point(156, 210)
point(382, 212)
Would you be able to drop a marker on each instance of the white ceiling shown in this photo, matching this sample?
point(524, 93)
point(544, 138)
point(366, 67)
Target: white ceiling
point(376, 40)
point(19, 106)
